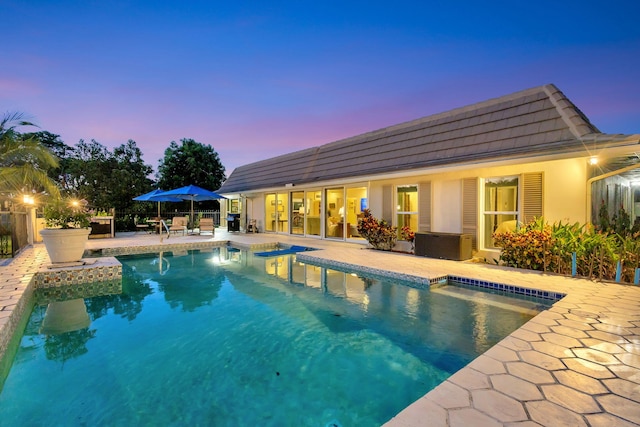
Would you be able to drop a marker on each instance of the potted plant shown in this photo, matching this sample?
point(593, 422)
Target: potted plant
point(67, 230)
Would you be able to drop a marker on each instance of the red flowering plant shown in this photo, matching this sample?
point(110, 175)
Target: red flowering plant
point(407, 234)
point(378, 232)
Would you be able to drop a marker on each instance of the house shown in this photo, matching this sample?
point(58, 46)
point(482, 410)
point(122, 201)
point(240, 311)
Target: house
point(471, 170)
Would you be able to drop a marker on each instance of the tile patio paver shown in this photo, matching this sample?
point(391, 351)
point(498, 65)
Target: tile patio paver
point(519, 389)
point(498, 405)
point(621, 407)
point(580, 382)
point(470, 417)
point(530, 373)
point(571, 399)
point(607, 420)
point(576, 364)
point(549, 414)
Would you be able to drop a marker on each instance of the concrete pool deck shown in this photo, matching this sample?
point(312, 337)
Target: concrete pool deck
point(576, 364)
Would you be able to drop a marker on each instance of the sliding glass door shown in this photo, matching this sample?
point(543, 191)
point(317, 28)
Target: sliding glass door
point(334, 225)
point(313, 212)
point(297, 213)
point(276, 212)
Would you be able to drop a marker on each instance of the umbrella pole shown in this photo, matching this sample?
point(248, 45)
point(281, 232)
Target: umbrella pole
point(158, 210)
point(192, 216)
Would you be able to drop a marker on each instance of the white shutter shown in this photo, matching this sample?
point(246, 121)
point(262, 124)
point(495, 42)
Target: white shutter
point(387, 203)
point(470, 208)
point(424, 206)
point(532, 184)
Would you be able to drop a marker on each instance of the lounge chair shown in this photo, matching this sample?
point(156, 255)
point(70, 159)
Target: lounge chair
point(179, 223)
point(206, 224)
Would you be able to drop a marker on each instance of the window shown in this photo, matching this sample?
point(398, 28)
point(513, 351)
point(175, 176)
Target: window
point(500, 211)
point(407, 207)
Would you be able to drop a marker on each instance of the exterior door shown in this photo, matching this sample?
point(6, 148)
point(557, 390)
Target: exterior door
point(334, 225)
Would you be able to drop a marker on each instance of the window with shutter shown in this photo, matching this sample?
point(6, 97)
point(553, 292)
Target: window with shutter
point(501, 210)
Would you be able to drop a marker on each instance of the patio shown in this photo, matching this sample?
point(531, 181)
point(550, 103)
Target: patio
point(577, 364)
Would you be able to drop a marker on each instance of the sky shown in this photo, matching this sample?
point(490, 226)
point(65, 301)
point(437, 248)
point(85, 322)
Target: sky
point(259, 79)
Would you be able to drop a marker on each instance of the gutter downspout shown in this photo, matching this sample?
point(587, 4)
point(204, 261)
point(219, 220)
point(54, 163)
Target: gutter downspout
point(601, 177)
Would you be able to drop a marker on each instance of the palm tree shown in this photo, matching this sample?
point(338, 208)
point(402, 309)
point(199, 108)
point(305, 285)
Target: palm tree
point(24, 161)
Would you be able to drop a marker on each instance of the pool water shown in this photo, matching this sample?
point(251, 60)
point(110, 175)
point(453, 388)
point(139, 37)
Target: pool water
point(225, 338)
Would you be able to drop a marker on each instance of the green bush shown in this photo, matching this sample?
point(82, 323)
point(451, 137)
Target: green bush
point(125, 223)
point(543, 247)
point(63, 213)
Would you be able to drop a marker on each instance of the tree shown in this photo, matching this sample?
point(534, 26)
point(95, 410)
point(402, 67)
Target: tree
point(24, 161)
point(61, 150)
point(108, 179)
point(130, 175)
point(190, 163)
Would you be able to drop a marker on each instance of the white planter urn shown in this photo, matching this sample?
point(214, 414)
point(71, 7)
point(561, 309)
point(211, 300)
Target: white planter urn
point(65, 244)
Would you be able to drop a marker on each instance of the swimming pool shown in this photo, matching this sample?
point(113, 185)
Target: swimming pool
point(226, 338)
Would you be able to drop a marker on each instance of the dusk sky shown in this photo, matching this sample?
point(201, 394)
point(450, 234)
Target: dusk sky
point(259, 79)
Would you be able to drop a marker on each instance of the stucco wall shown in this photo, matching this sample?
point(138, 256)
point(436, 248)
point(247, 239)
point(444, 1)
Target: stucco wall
point(564, 191)
point(447, 206)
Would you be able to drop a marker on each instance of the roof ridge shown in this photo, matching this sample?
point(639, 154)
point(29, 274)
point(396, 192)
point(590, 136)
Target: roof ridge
point(558, 98)
point(448, 113)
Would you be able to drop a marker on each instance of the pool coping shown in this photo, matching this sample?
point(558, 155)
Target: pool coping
point(577, 363)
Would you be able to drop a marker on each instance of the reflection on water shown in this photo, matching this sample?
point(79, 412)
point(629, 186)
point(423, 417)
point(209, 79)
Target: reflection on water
point(65, 316)
point(420, 320)
point(458, 323)
point(222, 337)
point(62, 320)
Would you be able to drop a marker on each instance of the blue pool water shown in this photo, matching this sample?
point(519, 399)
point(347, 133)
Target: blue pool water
point(225, 338)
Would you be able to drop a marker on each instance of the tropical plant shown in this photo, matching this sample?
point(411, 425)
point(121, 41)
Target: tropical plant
point(378, 232)
point(65, 213)
point(24, 161)
point(544, 247)
point(529, 247)
point(604, 224)
point(407, 234)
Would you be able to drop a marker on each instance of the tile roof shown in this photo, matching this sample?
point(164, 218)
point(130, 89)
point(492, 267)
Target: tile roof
point(531, 122)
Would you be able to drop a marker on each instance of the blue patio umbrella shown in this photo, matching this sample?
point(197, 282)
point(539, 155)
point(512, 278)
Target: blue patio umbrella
point(156, 196)
point(192, 192)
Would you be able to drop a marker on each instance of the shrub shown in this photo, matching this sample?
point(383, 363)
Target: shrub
point(407, 234)
point(539, 246)
point(529, 247)
point(63, 213)
point(378, 232)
